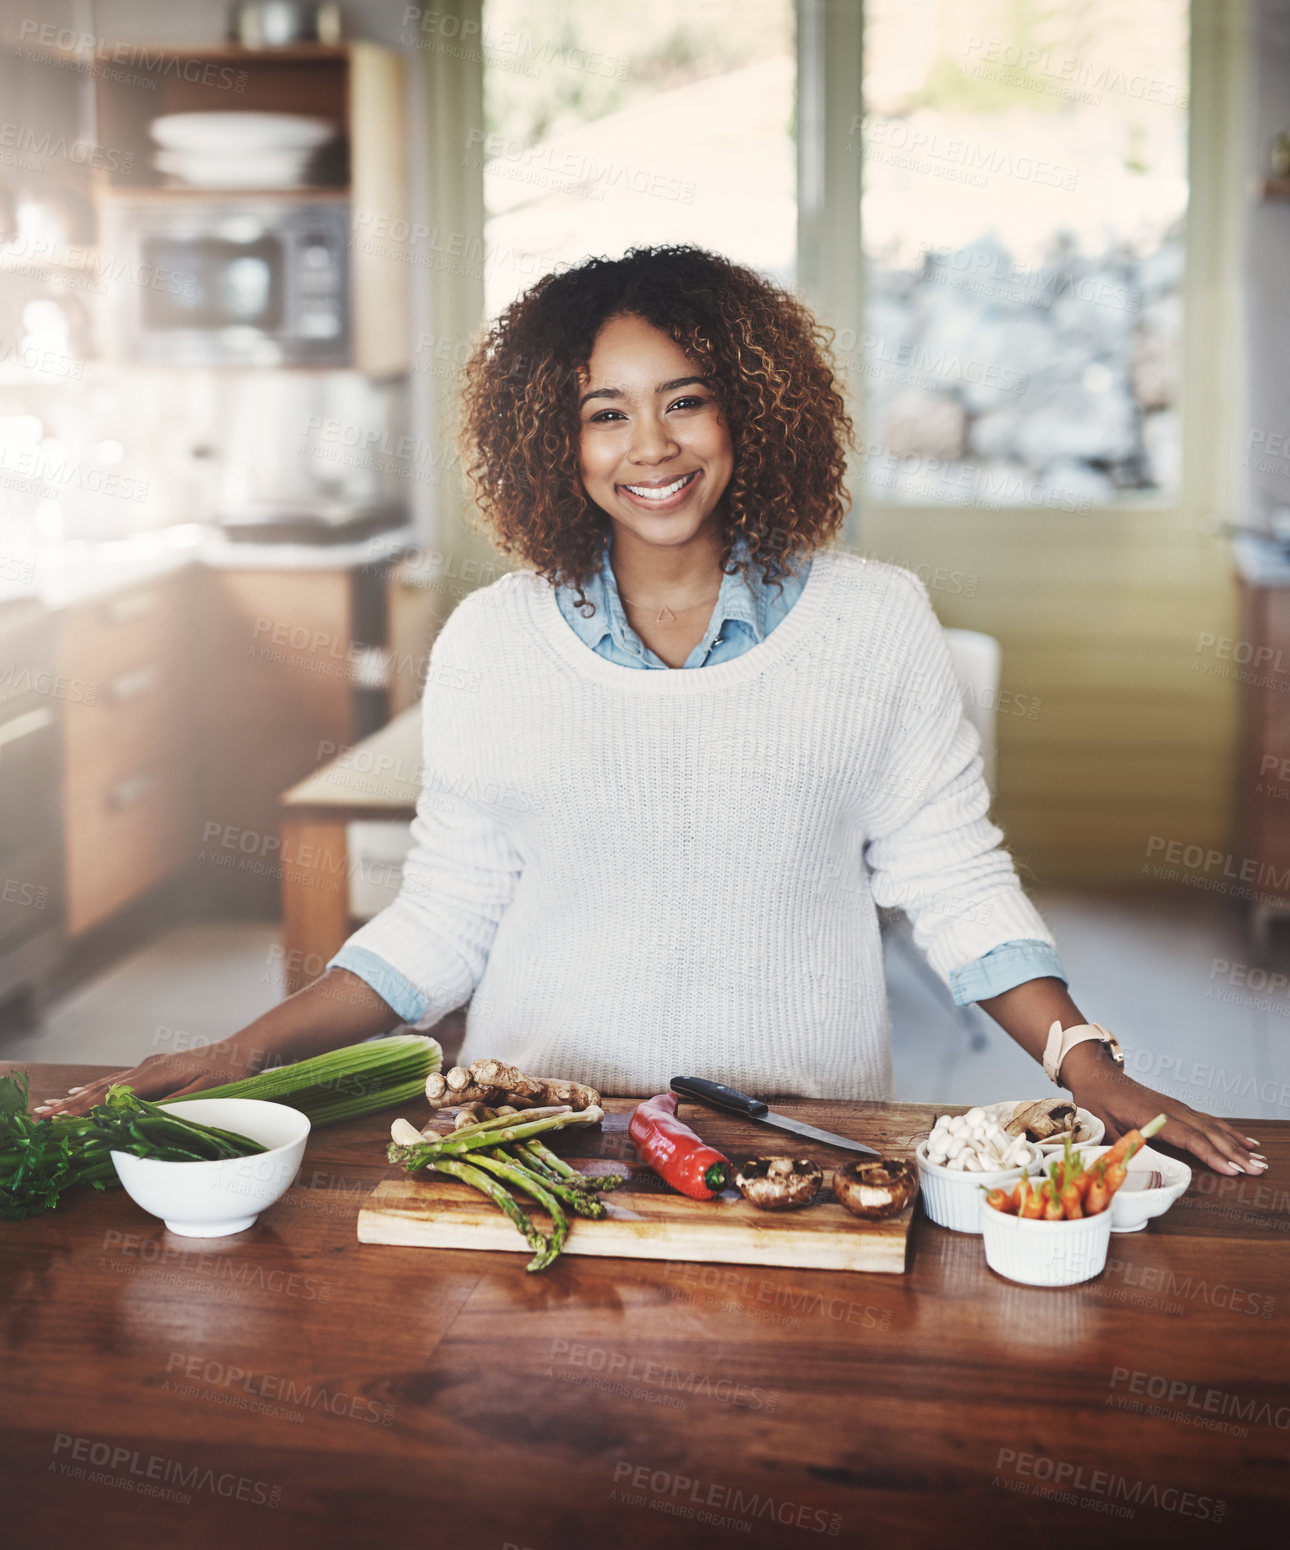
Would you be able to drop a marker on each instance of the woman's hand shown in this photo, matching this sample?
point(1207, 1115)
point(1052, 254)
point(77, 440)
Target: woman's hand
point(1123, 1104)
point(162, 1076)
point(1028, 1011)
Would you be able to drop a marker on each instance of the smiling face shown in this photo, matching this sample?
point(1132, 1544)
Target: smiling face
point(654, 449)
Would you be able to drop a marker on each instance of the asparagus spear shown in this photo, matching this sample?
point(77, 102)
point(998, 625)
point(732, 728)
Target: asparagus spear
point(578, 1201)
point(460, 1142)
point(534, 1150)
point(506, 1168)
point(479, 1180)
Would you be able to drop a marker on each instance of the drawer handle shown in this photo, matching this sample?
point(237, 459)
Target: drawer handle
point(23, 726)
point(132, 606)
point(128, 686)
point(131, 790)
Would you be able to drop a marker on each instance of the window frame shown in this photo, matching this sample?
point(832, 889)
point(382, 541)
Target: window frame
point(830, 44)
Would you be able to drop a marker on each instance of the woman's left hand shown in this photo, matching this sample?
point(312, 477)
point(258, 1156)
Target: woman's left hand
point(1123, 1104)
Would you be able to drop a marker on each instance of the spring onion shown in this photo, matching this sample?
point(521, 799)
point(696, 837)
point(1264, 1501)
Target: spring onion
point(39, 1159)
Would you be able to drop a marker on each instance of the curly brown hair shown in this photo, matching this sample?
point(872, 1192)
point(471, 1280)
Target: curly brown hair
point(771, 369)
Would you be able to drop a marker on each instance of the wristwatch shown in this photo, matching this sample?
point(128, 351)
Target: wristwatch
point(1062, 1041)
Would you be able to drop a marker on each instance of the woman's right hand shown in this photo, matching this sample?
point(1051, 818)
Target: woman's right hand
point(337, 1008)
point(160, 1076)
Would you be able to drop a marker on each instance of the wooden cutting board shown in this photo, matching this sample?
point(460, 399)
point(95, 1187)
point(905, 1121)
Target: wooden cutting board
point(648, 1220)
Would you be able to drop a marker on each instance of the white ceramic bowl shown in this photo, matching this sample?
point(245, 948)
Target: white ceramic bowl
point(266, 169)
point(951, 1196)
point(1091, 1129)
point(1039, 1253)
point(1134, 1204)
point(214, 1199)
point(236, 132)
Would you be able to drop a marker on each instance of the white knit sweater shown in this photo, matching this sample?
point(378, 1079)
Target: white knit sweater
point(639, 875)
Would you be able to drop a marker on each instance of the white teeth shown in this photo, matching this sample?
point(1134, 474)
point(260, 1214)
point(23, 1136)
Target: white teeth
point(657, 493)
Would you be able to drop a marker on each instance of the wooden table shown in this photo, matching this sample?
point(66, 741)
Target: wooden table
point(377, 779)
point(302, 1389)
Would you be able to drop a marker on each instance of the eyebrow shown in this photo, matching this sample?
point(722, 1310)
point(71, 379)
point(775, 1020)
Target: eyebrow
point(663, 387)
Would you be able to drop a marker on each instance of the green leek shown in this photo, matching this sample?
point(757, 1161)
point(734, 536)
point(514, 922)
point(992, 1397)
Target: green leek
point(344, 1083)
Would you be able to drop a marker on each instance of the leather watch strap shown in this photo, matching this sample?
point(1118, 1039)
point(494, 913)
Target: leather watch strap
point(1061, 1041)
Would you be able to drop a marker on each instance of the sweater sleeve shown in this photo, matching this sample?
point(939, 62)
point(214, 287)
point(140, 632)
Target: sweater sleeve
point(932, 849)
point(426, 952)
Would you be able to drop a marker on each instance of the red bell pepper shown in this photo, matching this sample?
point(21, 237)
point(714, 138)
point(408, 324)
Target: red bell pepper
point(681, 1158)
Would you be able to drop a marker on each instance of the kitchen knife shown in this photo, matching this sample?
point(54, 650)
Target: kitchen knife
point(734, 1102)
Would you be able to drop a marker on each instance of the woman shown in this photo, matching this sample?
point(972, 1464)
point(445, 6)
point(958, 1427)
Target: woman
point(674, 763)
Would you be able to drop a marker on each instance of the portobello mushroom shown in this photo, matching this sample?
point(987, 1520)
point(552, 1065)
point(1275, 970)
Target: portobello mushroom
point(873, 1190)
point(779, 1183)
point(1043, 1120)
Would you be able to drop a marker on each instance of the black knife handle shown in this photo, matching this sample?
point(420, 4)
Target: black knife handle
point(718, 1096)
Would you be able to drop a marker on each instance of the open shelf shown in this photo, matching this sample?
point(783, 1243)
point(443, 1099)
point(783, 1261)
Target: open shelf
point(310, 80)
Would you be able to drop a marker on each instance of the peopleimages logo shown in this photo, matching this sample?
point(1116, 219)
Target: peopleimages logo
point(1062, 1481)
point(143, 1473)
point(680, 1496)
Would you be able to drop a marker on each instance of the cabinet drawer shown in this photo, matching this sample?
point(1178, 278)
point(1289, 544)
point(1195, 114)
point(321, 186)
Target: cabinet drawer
point(137, 714)
point(129, 629)
point(123, 834)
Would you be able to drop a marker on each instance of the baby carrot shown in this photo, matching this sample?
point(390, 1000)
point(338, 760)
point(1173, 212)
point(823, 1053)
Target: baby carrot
point(1053, 1210)
point(1129, 1143)
point(1001, 1200)
point(1032, 1206)
point(1099, 1194)
point(1081, 1178)
point(1115, 1176)
point(1071, 1202)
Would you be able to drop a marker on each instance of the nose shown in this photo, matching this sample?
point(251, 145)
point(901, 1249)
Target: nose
point(652, 442)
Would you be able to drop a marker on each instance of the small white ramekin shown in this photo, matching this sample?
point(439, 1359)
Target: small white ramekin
point(1039, 1253)
point(951, 1196)
point(1132, 1207)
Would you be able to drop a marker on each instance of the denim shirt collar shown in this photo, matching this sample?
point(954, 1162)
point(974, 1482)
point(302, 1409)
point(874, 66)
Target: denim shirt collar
point(739, 603)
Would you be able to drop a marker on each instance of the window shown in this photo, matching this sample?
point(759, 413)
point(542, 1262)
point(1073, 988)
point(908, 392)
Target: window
point(1024, 198)
point(610, 125)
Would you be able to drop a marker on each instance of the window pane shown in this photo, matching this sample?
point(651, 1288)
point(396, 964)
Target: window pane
point(1025, 186)
point(612, 125)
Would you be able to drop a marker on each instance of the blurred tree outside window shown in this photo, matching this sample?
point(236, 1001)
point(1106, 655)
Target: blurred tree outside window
point(1025, 193)
point(609, 126)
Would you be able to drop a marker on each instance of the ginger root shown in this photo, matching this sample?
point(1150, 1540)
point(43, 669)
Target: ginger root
point(493, 1082)
point(457, 1086)
point(540, 1090)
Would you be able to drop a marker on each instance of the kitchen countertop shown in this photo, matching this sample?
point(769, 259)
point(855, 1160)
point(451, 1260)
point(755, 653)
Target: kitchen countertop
point(1261, 562)
point(73, 572)
point(301, 1388)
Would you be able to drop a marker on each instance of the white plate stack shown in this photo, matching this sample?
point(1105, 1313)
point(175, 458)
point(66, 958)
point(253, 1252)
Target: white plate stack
point(238, 150)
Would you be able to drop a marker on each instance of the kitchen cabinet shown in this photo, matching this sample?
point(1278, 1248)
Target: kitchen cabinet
point(279, 669)
point(126, 661)
point(147, 730)
point(30, 863)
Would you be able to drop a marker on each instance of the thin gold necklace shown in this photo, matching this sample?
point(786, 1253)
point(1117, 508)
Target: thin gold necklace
point(665, 614)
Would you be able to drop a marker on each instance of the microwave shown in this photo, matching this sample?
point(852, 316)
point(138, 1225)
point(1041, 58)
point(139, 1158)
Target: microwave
point(231, 282)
